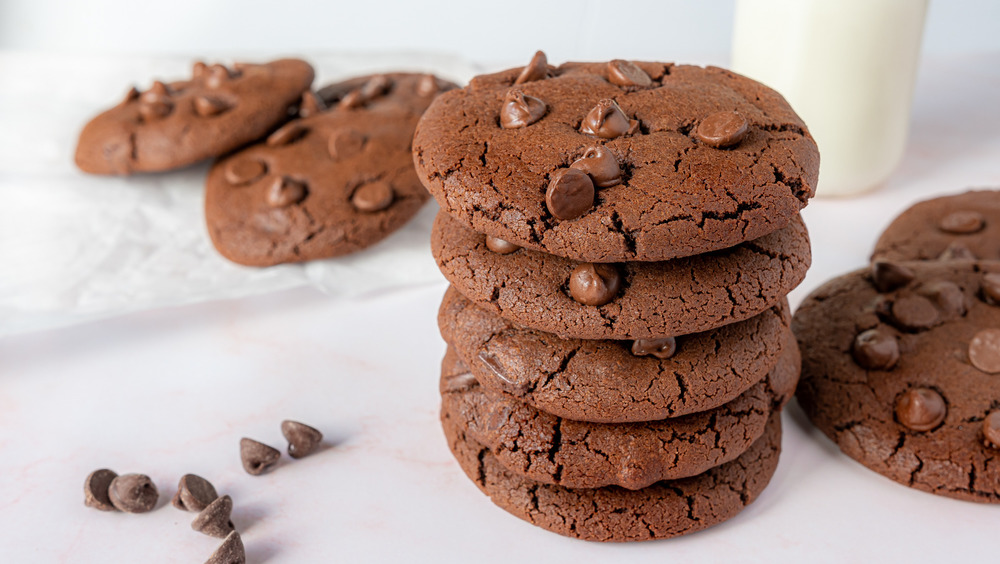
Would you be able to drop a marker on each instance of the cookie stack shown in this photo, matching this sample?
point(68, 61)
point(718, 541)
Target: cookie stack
point(619, 238)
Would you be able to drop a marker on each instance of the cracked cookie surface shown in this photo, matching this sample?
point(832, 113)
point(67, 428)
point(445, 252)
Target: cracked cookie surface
point(656, 299)
point(919, 413)
point(677, 196)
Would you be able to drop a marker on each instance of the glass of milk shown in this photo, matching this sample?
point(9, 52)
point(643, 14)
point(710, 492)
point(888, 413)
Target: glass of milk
point(848, 68)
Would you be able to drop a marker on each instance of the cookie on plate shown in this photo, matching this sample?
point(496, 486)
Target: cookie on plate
point(617, 161)
point(175, 124)
point(901, 368)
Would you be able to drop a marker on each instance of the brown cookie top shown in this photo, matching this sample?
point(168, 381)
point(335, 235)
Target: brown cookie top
point(575, 454)
point(961, 226)
point(649, 299)
point(411, 92)
point(324, 185)
point(907, 380)
point(175, 124)
point(605, 381)
point(677, 160)
point(613, 514)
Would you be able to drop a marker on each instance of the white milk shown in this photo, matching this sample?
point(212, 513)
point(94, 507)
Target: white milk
point(847, 67)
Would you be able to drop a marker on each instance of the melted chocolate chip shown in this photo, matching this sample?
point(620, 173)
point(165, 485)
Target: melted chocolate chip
point(607, 120)
point(500, 246)
point(601, 165)
point(991, 430)
point(244, 171)
point(887, 275)
point(96, 489)
point(914, 313)
point(594, 284)
point(214, 519)
point(660, 348)
point(519, 110)
point(962, 222)
point(303, 440)
point(722, 129)
point(257, 457)
point(194, 493)
point(373, 196)
point(628, 74)
point(207, 106)
point(875, 349)
point(984, 351)
point(920, 409)
point(285, 191)
point(989, 288)
point(537, 69)
point(133, 493)
point(947, 296)
point(570, 193)
point(287, 134)
point(345, 143)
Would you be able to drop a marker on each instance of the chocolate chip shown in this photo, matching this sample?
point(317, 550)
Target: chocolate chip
point(373, 196)
point(607, 120)
point(887, 275)
point(570, 193)
point(428, 85)
point(303, 440)
point(311, 105)
point(198, 69)
point(875, 349)
point(158, 91)
point(244, 171)
point(206, 106)
point(231, 551)
point(194, 493)
point(519, 110)
point(155, 110)
point(217, 75)
point(920, 409)
point(537, 69)
point(375, 87)
point(345, 143)
point(991, 430)
point(722, 129)
point(962, 222)
point(95, 489)
point(257, 457)
point(989, 288)
point(628, 74)
point(285, 191)
point(594, 284)
point(914, 313)
point(215, 519)
point(132, 94)
point(288, 134)
point(984, 351)
point(133, 493)
point(500, 246)
point(660, 348)
point(601, 165)
point(947, 296)
point(956, 251)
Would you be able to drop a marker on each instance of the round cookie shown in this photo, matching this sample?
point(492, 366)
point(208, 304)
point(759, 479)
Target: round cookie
point(603, 381)
point(553, 450)
point(614, 514)
point(494, 153)
point(179, 123)
point(655, 299)
point(324, 185)
point(905, 380)
point(963, 226)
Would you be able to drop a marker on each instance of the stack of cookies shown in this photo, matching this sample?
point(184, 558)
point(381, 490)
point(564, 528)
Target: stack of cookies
point(620, 238)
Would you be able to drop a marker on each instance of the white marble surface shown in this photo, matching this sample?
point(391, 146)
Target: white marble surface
point(171, 391)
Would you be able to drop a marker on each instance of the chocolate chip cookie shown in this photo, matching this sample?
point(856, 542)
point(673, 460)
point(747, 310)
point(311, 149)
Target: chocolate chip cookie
point(961, 226)
point(618, 161)
point(901, 368)
point(410, 92)
point(175, 124)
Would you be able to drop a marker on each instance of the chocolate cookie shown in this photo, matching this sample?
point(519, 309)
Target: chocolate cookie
point(962, 226)
point(553, 450)
point(325, 185)
point(906, 380)
point(605, 381)
point(410, 92)
point(175, 124)
point(614, 514)
point(641, 300)
point(619, 161)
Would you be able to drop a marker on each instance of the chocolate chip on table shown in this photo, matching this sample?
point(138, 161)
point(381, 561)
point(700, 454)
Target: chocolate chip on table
point(285, 191)
point(607, 120)
point(722, 129)
point(537, 69)
point(215, 519)
point(231, 551)
point(373, 196)
point(989, 288)
point(601, 165)
point(991, 430)
point(984, 351)
point(570, 193)
point(626, 74)
point(95, 489)
point(962, 222)
point(887, 275)
point(257, 457)
point(303, 440)
point(244, 171)
point(519, 110)
point(500, 246)
point(594, 284)
point(875, 349)
point(194, 493)
point(133, 493)
point(920, 409)
point(660, 348)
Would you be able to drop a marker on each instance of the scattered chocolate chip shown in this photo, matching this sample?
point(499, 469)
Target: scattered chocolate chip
point(914, 313)
point(594, 284)
point(285, 191)
point(231, 551)
point(947, 296)
point(537, 69)
point(962, 222)
point(920, 409)
point(206, 106)
point(373, 196)
point(215, 519)
point(984, 351)
point(345, 143)
point(627, 74)
point(887, 275)
point(303, 440)
point(991, 430)
point(311, 105)
point(133, 493)
point(607, 120)
point(875, 349)
point(244, 171)
point(601, 165)
point(956, 251)
point(427, 85)
point(519, 110)
point(722, 129)
point(289, 133)
point(570, 193)
point(257, 457)
point(194, 493)
point(660, 348)
point(95, 489)
point(990, 288)
point(500, 246)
